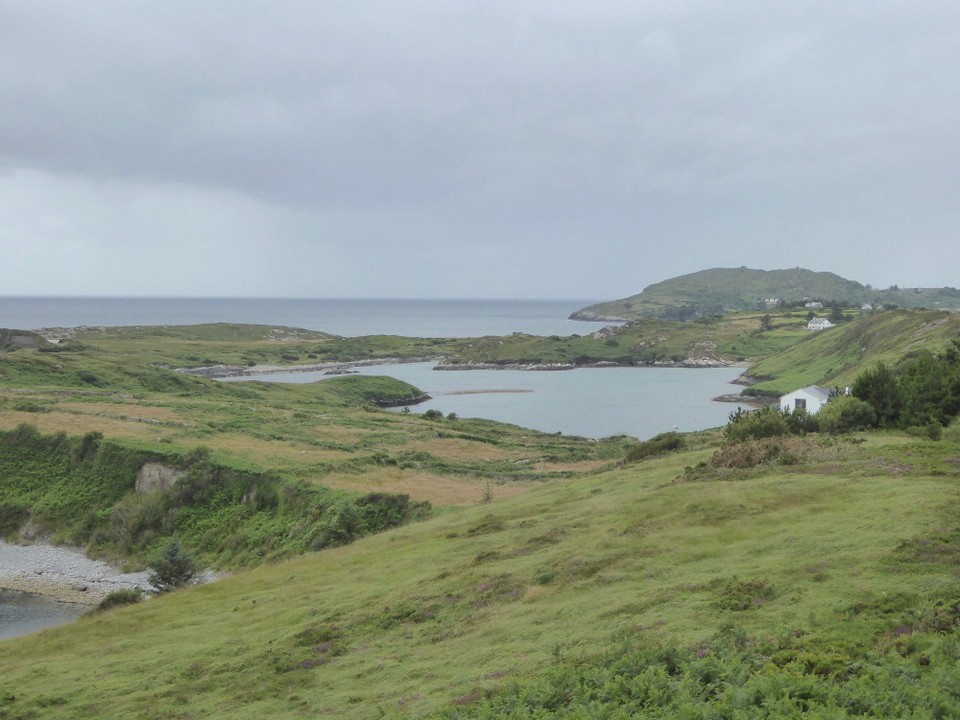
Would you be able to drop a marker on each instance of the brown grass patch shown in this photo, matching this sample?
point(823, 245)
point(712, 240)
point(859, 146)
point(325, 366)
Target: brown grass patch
point(339, 434)
point(71, 424)
point(457, 449)
point(581, 466)
point(266, 450)
point(121, 410)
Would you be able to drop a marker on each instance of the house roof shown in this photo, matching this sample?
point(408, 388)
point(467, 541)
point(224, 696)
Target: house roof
point(822, 394)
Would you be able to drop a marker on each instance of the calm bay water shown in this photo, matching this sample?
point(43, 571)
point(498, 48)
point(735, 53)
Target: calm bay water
point(591, 402)
point(22, 613)
point(412, 318)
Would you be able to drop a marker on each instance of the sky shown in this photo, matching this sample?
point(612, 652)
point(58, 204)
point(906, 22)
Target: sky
point(437, 149)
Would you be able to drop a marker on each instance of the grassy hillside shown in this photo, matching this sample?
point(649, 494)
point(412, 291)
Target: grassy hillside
point(837, 355)
point(831, 577)
point(238, 344)
point(720, 290)
point(732, 338)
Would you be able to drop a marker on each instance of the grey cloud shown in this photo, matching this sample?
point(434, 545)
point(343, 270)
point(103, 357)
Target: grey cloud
point(656, 125)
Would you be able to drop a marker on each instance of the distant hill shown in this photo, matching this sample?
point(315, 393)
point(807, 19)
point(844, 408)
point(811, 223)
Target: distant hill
point(720, 290)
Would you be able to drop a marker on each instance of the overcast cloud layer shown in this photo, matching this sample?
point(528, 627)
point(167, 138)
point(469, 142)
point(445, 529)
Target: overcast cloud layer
point(490, 149)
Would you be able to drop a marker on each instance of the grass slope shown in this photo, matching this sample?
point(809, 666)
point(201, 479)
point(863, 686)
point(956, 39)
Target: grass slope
point(435, 616)
point(837, 355)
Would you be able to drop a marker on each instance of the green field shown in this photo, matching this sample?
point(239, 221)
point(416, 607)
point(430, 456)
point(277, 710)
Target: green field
point(836, 356)
point(550, 576)
point(839, 561)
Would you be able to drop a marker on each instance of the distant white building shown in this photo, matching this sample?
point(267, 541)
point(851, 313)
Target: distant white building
point(813, 305)
point(819, 324)
point(771, 302)
point(810, 398)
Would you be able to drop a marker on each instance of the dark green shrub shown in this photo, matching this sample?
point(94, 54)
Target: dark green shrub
point(87, 377)
point(931, 431)
point(173, 568)
point(11, 518)
point(800, 422)
point(845, 414)
point(119, 598)
point(342, 523)
point(657, 445)
point(380, 511)
point(763, 423)
point(30, 406)
point(879, 388)
point(88, 443)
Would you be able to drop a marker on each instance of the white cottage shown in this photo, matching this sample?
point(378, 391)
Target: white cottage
point(810, 398)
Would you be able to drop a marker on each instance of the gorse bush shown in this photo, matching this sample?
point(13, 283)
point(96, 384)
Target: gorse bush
point(751, 453)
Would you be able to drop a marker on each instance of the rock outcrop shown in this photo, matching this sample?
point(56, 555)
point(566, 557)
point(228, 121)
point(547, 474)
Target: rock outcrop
point(154, 476)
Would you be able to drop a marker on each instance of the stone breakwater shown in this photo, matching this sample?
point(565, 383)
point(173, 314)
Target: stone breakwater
point(62, 573)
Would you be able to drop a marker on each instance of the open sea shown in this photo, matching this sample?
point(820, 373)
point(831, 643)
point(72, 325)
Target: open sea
point(411, 318)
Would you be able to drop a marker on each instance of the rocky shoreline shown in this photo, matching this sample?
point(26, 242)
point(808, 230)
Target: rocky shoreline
point(343, 368)
point(691, 362)
point(63, 573)
point(591, 316)
point(225, 371)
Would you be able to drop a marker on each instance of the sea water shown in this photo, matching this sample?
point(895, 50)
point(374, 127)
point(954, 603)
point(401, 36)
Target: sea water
point(590, 402)
point(22, 613)
point(351, 318)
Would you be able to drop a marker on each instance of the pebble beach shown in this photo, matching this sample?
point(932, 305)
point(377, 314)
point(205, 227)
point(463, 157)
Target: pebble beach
point(63, 573)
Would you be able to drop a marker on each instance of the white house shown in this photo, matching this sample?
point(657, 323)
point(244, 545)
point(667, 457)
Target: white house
point(813, 305)
point(810, 398)
point(819, 324)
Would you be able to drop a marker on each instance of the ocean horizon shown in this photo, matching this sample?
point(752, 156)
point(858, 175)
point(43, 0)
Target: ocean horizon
point(340, 316)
